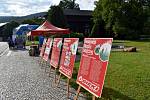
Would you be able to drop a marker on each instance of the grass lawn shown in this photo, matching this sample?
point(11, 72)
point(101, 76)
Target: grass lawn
point(30, 42)
point(128, 74)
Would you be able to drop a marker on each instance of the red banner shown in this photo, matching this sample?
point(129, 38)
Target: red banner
point(93, 65)
point(43, 48)
point(56, 52)
point(48, 48)
point(68, 56)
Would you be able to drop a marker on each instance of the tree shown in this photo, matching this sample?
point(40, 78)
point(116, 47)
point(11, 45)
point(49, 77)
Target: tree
point(131, 19)
point(125, 18)
point(98, 27)
point(28, 21)
point(33, 21)
point(8, 28)
point(147, 23)
point(69, 4)
point(56, 16)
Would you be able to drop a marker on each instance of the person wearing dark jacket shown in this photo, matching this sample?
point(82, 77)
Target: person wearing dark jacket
point(10, 42)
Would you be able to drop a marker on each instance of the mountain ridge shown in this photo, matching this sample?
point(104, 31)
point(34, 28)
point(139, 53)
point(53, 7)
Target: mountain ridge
point(21, 18)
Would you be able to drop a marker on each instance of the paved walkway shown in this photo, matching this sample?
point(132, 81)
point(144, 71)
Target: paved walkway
point(3, 47)
point(21, 78)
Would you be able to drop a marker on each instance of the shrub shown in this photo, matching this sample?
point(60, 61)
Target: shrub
point(74, 35)
point(36, 38)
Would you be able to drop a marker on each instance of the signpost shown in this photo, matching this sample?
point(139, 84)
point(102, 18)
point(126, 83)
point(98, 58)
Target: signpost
point(42, 51)
point(57, 43)
point(43, 48)
point(48, 48)
point(68, 58)
point(47, 52)
point(93, 65)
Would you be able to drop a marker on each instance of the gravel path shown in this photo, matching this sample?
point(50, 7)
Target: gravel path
point(21, 78)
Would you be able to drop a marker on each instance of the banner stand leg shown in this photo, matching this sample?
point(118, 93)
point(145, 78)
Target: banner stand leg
point(68, 87)
point(55, 76)
point(50, 70)
point(46, 66)
point(58, 80)
point(77, 94)
point(42, 64)
point(93, 97)
point(68, 80)
point(39, 61)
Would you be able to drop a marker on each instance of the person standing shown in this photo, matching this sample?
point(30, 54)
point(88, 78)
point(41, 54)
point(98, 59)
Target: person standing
point(10, 42)
point(14, 40)
point(24, 43)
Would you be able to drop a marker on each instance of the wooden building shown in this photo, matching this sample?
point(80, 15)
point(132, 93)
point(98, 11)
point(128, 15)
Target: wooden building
point(2, 36)
point(79, 20)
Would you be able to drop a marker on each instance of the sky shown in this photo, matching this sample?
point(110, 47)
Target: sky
point(26, 7)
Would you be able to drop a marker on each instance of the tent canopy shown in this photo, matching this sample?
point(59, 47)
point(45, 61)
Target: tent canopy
point(48, 29)
point(24, 28)
point(2, 24)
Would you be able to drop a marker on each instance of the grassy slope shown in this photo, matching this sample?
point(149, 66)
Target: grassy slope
point(128, 74)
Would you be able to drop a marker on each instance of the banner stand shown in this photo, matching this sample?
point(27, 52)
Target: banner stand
point(93, 65)
point(55, 56)
point(42, 51)
point(46, 53)
point(77, 94)
point(67, 60)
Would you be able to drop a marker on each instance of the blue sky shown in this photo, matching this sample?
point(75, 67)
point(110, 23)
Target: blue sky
point(26, 7)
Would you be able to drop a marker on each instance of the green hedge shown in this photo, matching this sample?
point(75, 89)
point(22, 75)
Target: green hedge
point(74, 35)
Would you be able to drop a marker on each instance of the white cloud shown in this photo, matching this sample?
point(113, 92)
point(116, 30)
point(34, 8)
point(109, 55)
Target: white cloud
point(23, 7)
point(55, 2)
point(86, 4)
point(26, 7)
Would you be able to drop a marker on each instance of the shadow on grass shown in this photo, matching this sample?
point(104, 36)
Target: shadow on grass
point(122, 41)
point(141, 40)
point(107, 93)
point(110, 94)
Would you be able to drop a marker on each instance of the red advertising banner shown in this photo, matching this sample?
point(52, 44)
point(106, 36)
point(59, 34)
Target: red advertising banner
point(57, 43)
point(68, 56)
point(93, 64)
point(48, 48)
point(43, 48)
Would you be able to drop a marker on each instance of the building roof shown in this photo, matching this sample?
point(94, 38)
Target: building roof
point(77, 12)
point(2, 24)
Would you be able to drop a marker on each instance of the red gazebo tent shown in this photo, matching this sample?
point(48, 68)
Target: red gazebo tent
point(47, 29)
